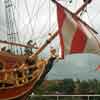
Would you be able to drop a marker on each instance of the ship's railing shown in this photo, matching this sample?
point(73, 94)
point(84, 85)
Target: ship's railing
point(18, 77)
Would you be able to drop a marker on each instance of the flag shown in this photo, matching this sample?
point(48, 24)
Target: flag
point(75, 37)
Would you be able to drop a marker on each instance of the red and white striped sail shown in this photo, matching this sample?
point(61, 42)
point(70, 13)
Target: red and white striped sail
point(74, 36)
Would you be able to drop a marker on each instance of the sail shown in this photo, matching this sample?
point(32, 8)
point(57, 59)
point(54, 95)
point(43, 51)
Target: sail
point(75, 37)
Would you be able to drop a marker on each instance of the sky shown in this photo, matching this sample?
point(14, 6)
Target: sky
point(32, 23)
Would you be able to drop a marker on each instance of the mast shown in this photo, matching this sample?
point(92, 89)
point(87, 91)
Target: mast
point(12, 34)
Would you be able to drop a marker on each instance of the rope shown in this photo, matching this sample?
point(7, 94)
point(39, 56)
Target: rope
point(25, 2)
point(91, 31)
point(36, 17)
point(93, 18)
point(96, 51)
point(16, 31)
point(49, 13)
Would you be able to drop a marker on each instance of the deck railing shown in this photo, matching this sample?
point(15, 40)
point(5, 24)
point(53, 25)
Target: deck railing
point(16, 77)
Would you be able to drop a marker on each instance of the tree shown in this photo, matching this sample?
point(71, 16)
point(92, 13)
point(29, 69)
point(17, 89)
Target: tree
point(77, 87)
point(98, 87)
point(53, 88)
point(84, 87)
point(92, 86)
point(68, 86)
point(39, 90)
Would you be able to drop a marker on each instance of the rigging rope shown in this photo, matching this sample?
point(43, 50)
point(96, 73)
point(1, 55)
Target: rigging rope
point(12, 34)
point(28, 13)
point(30, 17)
point(16, 32)
point(35, 21)
point(49, 13)
point(93, 18)
point(90, 21)
point(95, 37)
point(69, 2)
point(35, 14)
point(37, 17)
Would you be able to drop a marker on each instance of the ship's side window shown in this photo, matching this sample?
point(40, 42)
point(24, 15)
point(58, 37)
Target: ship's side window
point(1, 65)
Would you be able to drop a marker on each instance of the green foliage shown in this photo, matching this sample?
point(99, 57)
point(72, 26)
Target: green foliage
point(65, 98)
point(98, 88)
point(40, 90)
point(84, 87)
point(92, 86)
point(68, 86)
point(97, 98)
point(53, 87)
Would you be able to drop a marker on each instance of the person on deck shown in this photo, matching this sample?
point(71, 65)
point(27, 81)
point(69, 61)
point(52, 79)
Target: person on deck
point(53, 56)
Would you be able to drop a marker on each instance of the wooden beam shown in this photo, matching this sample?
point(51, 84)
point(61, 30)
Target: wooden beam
point(82, 7)
point(48, 41)
point(18, 44)
point(73, 15)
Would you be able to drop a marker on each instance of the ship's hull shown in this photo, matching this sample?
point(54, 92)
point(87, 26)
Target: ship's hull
point(18, 84)
point(21, 91)
point(16, 92)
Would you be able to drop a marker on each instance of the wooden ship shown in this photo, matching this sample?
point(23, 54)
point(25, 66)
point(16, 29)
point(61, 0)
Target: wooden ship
point(20, 74)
